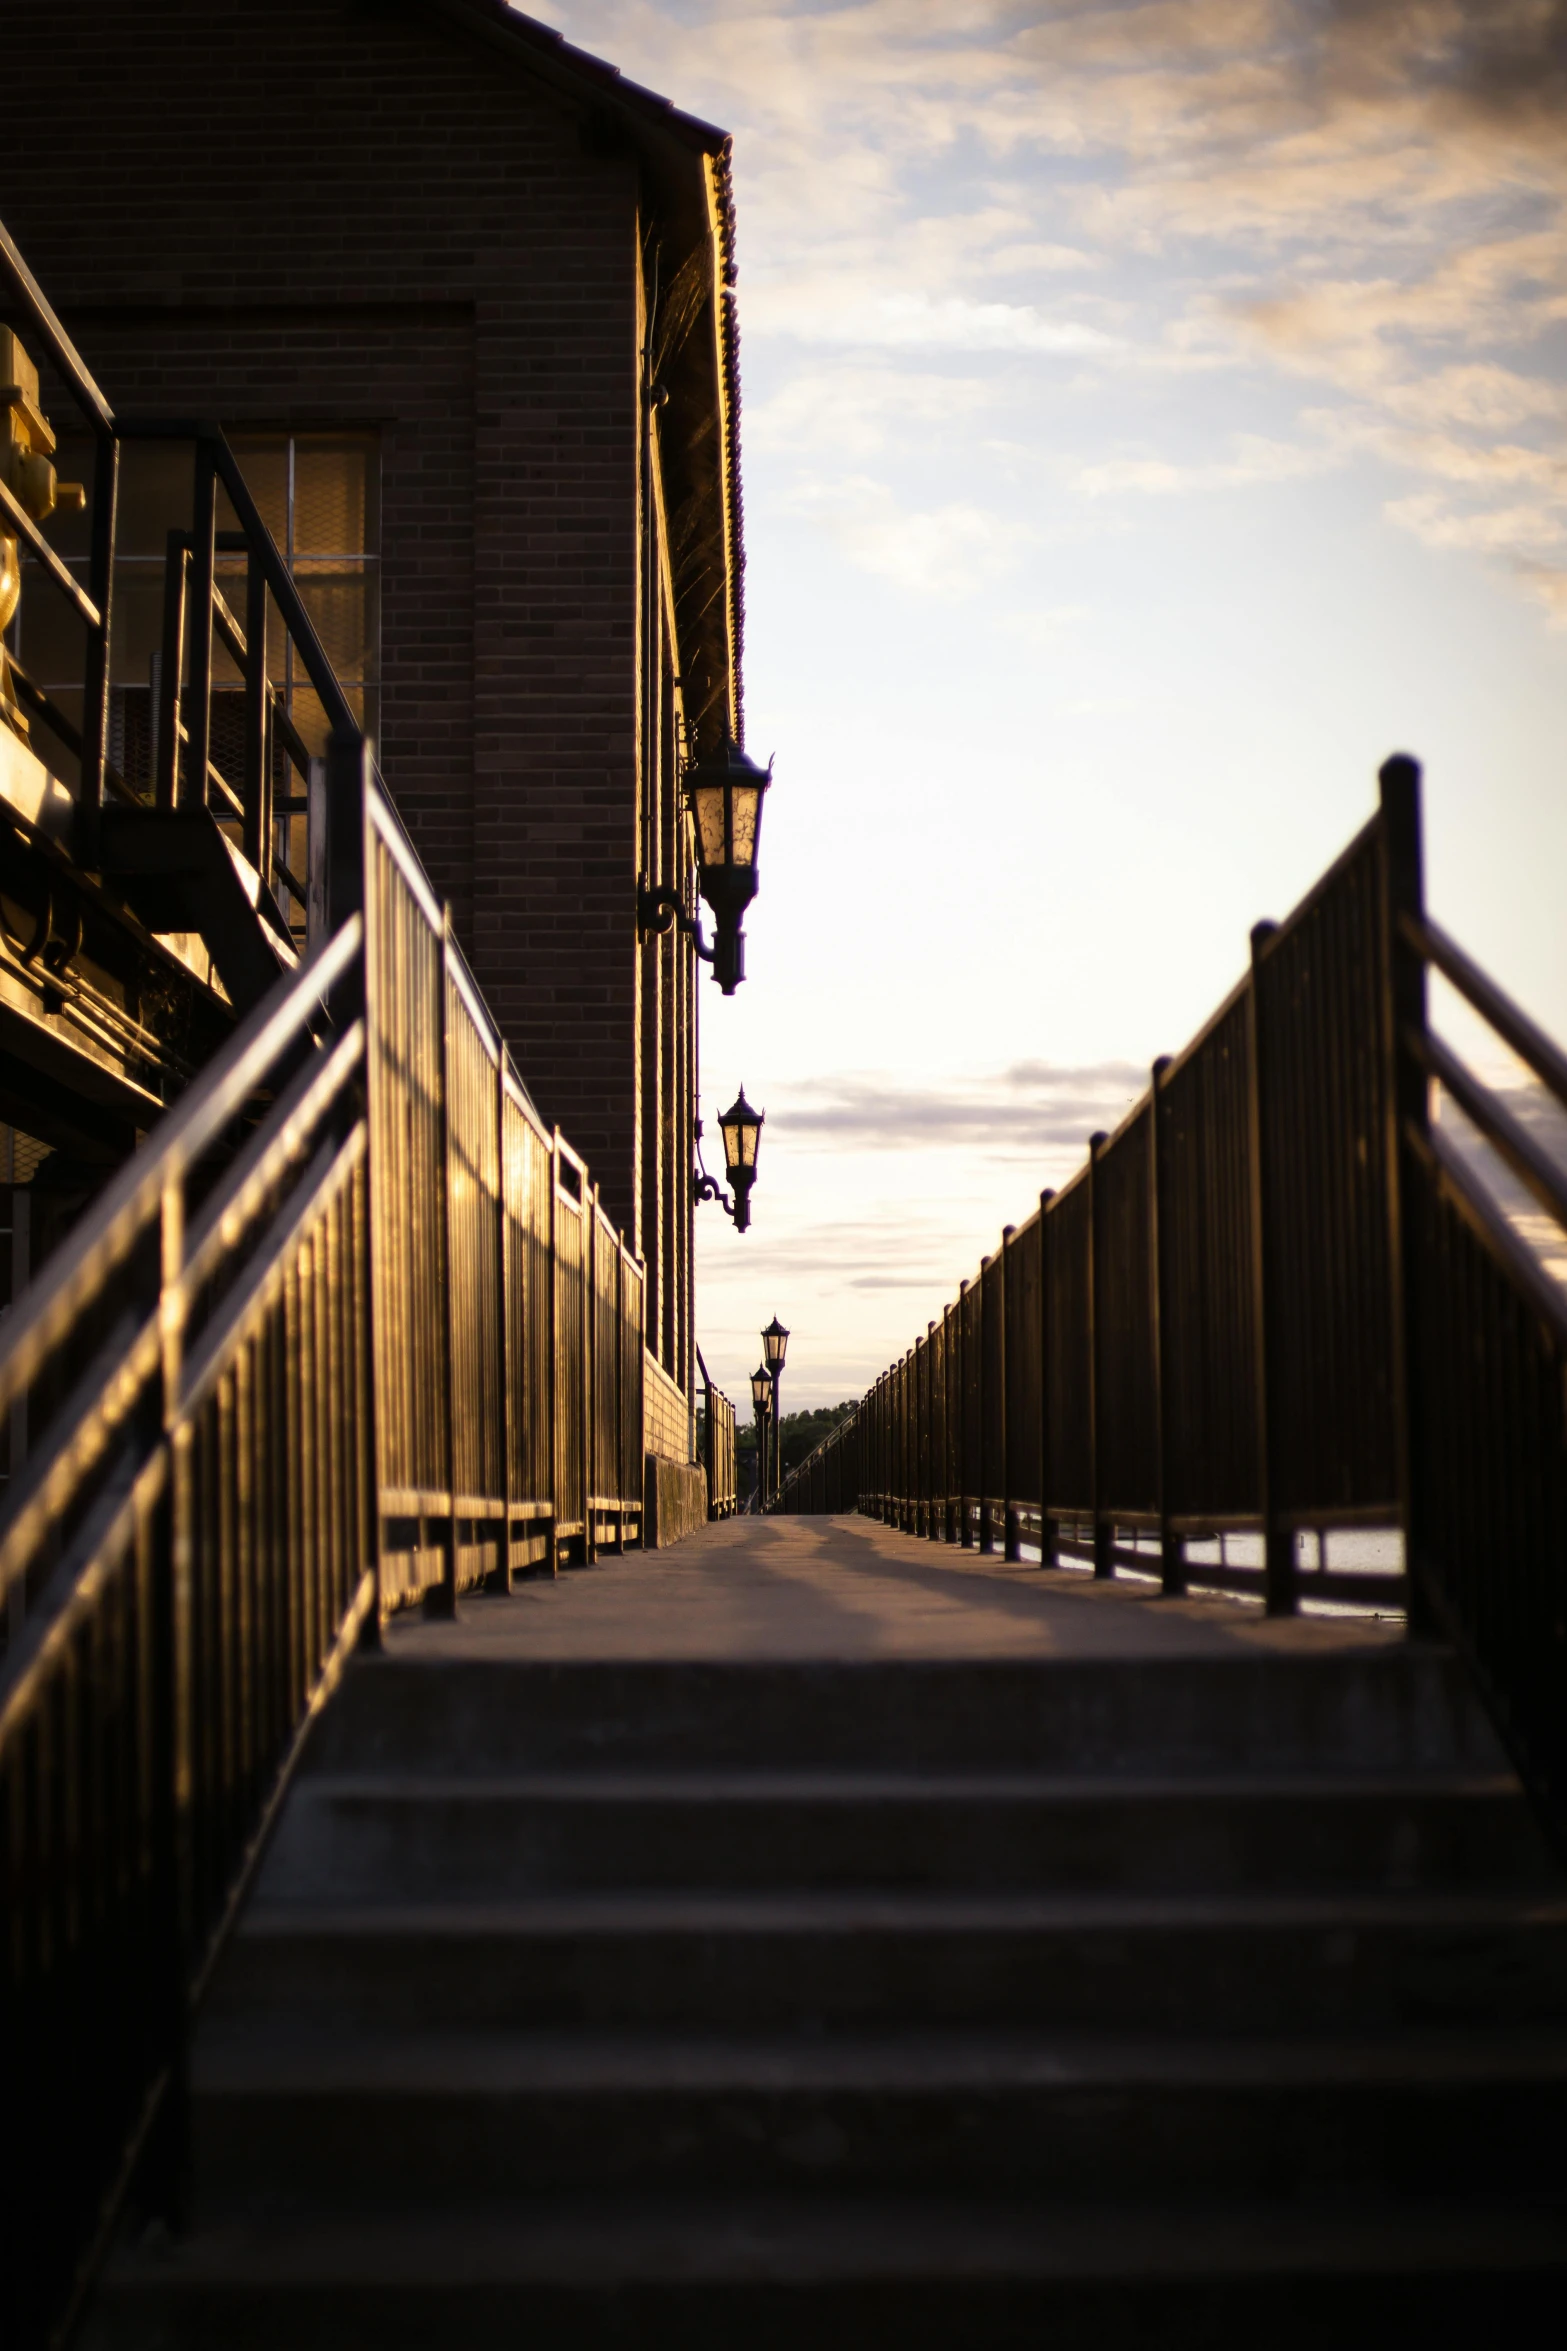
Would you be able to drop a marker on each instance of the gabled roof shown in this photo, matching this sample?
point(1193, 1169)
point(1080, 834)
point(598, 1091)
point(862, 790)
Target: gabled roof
point(686, 165)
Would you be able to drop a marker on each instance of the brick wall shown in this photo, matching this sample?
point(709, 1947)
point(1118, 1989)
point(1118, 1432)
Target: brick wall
point(307, 212)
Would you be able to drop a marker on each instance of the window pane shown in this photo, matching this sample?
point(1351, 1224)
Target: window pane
point(340, 603)
point(334, 496)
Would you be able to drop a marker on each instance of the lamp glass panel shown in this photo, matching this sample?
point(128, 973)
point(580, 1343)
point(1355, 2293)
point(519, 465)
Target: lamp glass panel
point(747, 821)
point(707, 807)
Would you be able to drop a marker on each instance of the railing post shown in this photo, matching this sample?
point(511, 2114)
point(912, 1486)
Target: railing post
point(1049, 1531)
point(1172, 1549)
point(441, 1600)
point(345, 859)
point(172, 1761)
point(987, 1407)
point(590, 1324)
point(1278, 1545)
point(257, 830)
point(965, 1533)
point(504, 1282)
point(198, 742)
point(1011, 1524)
point(95, 679)
point(552, 1404)
point(1104, 1523)
point(933, 1479)
point(176, 588)
point(1406, 1093)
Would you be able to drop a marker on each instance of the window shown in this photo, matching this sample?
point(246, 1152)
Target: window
point(319, 495)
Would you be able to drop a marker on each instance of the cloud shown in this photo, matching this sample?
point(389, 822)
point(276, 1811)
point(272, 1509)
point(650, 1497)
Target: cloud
point(1256, 460)
point(946, 552)
point(1367, 194)
point(1032, 1107)
point(915, 321)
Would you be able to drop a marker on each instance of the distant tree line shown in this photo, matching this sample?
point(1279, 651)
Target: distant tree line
point(802, 1433)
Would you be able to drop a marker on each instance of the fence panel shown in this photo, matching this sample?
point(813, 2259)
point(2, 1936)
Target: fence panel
point(529, 1184)
point(1127, 1430)
point(1069, 1362)
point(632, 1372)
point(971, 1455)
point(1023, 1364)
point(403, 948)
point(474, 1291)
point(1489, 1398)
point(1327, 1275)
point(1208, 1319)
point(571, 1269)
point(992, 1385)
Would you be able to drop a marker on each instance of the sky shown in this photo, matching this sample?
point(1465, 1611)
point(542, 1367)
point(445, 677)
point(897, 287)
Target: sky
point(1153, 416)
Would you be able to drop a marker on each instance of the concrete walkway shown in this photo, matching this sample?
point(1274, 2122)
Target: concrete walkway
point(847, 1588)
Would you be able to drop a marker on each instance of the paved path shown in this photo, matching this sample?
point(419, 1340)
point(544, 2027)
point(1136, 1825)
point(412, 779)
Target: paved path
point(849, 1588)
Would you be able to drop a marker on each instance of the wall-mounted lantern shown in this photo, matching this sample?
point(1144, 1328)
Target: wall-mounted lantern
point(724, 796)
point(741, 1128)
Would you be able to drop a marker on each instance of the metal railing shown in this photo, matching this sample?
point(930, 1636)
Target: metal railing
point(718, 1446)
point(350, 1330)
point(1275, 1304)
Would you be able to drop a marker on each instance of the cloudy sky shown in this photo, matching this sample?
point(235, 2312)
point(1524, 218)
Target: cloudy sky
point(1154, 414)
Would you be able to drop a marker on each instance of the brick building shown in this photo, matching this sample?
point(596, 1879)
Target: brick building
point(463, 299)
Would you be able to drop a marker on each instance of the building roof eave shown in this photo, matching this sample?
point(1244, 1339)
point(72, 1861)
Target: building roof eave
point(689, 162)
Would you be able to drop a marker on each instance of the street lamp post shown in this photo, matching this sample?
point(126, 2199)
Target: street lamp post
point(761, 1398)
point(775, 1345)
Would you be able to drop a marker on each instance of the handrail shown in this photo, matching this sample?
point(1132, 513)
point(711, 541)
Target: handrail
point(134, 1196)
point(61, 349)
point(273, 1199)
point(1513, 1026)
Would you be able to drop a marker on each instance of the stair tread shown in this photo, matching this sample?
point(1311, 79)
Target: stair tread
point(765, 1784)
point(231, 2063)
point(682, 1910)
point(603, 2240)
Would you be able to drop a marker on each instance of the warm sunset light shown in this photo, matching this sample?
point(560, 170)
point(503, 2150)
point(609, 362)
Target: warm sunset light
point(1153, 418)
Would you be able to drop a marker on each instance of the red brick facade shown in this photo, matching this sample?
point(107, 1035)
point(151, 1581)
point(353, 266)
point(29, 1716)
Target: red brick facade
point(419, 219)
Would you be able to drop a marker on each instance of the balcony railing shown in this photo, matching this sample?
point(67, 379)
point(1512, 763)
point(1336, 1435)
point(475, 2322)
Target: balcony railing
point(350, 1330)
point(1276, 1307)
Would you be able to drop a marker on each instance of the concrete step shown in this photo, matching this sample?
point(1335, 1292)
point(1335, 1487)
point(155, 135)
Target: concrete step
point(1400, 1708)
point(429, 1837)
point(846, 2275)
point(356, 2124)
point(761, 1961)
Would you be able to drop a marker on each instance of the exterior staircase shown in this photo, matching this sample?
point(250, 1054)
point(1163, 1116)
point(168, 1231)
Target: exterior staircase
point(1121, 2001)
